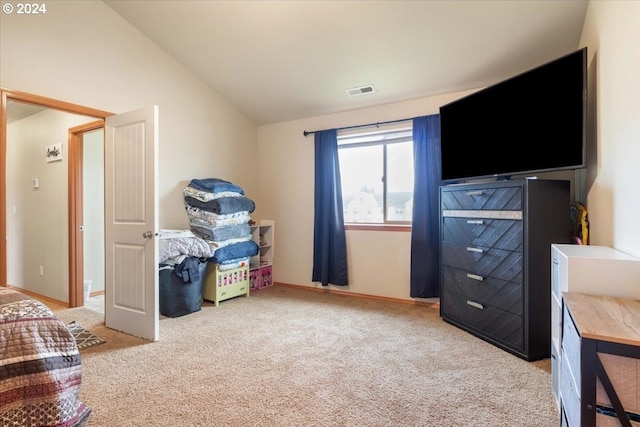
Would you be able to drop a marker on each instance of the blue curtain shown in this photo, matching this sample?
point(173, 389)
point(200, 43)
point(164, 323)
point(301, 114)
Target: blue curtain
point(329, 239)
point(425, 252)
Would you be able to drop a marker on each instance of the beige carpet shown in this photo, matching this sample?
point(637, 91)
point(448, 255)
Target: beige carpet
point(290, 357)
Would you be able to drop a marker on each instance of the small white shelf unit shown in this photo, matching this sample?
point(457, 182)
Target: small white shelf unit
point(261, 265)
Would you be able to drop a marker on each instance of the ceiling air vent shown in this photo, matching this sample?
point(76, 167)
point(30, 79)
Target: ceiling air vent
point(361, 90)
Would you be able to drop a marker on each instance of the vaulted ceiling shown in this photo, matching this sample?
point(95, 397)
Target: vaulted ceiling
point(283, 60)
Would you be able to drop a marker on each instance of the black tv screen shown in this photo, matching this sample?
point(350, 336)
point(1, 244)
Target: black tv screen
point(533, 122)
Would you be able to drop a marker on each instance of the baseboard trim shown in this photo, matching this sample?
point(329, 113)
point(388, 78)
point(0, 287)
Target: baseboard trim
point(434, 305)
point(39, 297)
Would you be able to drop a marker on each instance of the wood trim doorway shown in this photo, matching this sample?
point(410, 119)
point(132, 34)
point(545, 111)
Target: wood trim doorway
point(76, 211)
point(75, 288)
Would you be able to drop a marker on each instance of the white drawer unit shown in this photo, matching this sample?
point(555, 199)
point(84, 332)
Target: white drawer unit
point(595, 270)
point(570, 395)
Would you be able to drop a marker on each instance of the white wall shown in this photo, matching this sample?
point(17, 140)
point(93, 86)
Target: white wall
point(37, 218)
point(612, 36)
point(83, 52)
point(378, 262)
point(93, 208)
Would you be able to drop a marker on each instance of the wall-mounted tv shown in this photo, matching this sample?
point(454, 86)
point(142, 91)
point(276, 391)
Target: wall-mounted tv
point(531, 123)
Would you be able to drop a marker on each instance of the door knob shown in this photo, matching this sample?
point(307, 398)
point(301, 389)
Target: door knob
point(147, 234)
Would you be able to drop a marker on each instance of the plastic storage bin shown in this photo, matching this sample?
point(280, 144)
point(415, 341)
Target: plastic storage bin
point(178, 298)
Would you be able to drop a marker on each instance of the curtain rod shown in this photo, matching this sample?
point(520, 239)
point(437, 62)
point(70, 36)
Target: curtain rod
point(305, 133)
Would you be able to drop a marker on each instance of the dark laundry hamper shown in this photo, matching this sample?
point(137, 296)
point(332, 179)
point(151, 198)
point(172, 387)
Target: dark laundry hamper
point(177, 297)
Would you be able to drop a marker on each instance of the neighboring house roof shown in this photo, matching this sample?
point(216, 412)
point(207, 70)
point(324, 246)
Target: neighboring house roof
point(394, 199)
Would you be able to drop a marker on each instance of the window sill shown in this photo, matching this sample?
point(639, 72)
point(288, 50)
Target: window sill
point(377, 227)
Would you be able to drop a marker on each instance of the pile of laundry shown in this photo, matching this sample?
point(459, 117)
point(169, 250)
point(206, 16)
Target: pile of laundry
point(181, 272)
point(219, 213)
point(182, 252)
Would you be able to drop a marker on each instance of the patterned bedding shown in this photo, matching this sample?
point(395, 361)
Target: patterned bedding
point(40, 369)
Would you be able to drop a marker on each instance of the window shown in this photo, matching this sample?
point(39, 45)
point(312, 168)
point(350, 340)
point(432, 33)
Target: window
point(376, 172)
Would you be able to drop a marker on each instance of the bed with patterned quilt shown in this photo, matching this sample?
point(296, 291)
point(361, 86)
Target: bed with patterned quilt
point(40, 369)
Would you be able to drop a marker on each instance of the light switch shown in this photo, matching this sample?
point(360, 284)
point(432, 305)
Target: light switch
point(35, 183)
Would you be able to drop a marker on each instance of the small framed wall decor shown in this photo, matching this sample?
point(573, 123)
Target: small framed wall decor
point(54, 152)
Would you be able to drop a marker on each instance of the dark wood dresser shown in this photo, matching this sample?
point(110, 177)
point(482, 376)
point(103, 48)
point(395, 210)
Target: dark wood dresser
point(495, 253)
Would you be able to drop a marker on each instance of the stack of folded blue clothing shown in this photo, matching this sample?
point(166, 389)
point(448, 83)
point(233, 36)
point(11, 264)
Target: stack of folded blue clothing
point(219, 213)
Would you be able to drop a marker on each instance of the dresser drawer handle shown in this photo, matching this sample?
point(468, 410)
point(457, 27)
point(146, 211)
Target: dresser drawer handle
point(475, 221)
point(475, 277)
point(478, 250)
point(475, 193)
point(475, 304)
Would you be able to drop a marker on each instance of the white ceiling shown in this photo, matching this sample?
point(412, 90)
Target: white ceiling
point(284, 60)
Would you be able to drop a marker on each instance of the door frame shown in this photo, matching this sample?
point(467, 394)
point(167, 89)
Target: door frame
point(76, 210)
point(76, 286)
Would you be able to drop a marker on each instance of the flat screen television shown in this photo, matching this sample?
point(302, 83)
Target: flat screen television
point(531, 123)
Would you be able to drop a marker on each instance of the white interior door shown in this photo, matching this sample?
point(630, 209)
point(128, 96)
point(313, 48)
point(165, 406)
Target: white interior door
point(131, 223)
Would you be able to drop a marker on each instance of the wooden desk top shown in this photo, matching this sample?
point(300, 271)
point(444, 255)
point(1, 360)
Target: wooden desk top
point(605, 318)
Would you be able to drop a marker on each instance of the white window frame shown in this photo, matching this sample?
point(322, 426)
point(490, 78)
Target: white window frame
point(383, 135)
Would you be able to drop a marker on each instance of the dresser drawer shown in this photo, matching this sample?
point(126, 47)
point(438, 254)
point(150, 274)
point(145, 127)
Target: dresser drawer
point(501, 198)
point(569, 394)
point(485, 319)
point(496, 233)
point(555, 373)
point(497, 263)
point(571, 346)
point(488, 290)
